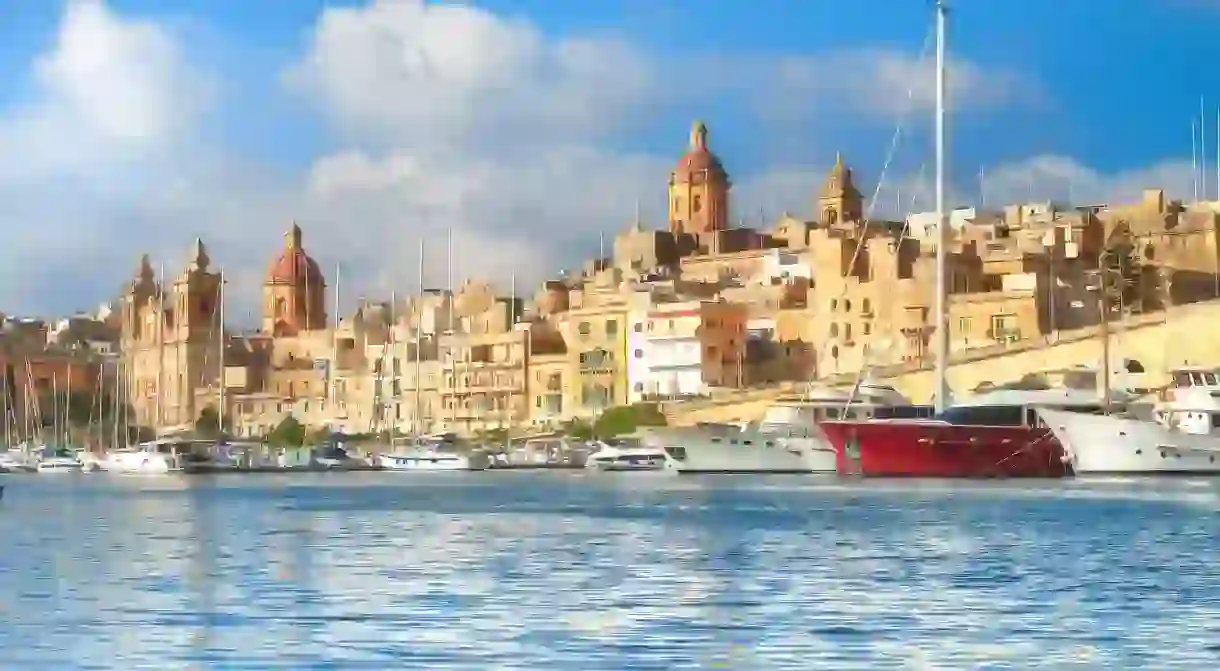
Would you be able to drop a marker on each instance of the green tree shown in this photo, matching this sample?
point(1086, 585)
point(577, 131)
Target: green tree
point(578, 429)
point(627, 418)
point(289, 433)
point(208, 423)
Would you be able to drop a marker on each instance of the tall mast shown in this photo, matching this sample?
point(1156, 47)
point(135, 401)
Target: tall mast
point(160, 345)
point(942, 224)
point(220, 309)
point(334, 349)
point(114, 402)
point(419, 327)
point(8, 437)
point(512, 325)
point(449, 330)
point(393, 372)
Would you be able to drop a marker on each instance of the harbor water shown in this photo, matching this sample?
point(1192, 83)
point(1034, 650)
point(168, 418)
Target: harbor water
point(584, 571)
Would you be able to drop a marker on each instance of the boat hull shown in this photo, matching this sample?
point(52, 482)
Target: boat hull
point(54, 466)
point(139, 463)
point(430, 462)
point(921, 449)
point(1098, 444)
point(692, 451)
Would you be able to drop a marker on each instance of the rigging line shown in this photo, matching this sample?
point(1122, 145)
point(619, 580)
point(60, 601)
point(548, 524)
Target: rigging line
point(895, 138)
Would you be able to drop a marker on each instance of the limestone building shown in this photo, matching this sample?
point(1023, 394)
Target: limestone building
point(170, 340)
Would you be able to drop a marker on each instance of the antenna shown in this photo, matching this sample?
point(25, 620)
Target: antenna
point(982, 187)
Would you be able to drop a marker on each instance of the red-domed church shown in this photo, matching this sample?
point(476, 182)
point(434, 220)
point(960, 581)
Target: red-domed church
point(294, 293)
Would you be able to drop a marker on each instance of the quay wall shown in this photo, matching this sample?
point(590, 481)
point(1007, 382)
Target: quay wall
point(1186, 335)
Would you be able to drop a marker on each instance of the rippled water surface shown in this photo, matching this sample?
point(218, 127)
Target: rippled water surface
point(574, 571)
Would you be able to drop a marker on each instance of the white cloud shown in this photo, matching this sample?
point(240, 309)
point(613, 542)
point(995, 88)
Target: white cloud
point(427, 74)
point(882, 82)
point(1066, 179)
point(111, 92)
point(450, 119)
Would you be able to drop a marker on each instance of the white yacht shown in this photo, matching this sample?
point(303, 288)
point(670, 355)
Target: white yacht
point(15, 460)
point(155, 457)
point(58, 461)
point(625, 455)
point(1183, 436)
point(787, 440)
point(431, 456)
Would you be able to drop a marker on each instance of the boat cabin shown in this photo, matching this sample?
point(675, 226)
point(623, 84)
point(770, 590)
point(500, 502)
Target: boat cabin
point(798, 416)
point(1017, 407)
point(1193, 401)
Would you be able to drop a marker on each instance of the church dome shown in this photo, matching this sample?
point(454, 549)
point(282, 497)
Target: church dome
point(698, 158)
point(293, 265)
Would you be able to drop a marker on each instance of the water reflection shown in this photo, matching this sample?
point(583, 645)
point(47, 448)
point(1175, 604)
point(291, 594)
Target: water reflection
point(524, 571)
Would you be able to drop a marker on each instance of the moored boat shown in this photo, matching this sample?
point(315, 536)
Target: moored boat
point(997, 434)
point(624, 455)
point(156, 457)
point(787, 440)
point(1182, 437)
point(431, 455)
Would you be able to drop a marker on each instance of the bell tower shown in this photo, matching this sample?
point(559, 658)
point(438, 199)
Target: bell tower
point(840, 201)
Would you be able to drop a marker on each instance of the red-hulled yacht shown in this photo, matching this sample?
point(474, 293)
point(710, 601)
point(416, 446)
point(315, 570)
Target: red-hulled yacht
point(997, 434)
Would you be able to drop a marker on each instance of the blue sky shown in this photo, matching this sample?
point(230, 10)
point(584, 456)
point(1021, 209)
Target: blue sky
point(536, 124)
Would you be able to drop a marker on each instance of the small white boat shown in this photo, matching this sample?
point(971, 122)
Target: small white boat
point(622, 455)
point(431, 456)
point(155, 457)
point(59, 461)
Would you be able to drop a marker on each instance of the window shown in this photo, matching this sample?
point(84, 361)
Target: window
point(867, 306)
point(834, 330)
point(868, 328)
point(696, 204)
point(639, 354)
point(834, 304)
point(583, 328)
point(847, 331)
point(639, 387)
point(847, 305)
point(639, 327)
point(611, 326)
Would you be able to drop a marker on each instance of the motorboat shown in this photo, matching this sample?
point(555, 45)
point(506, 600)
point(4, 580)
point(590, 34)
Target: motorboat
point(431, 455)
point(787, 440)
point(1182, 436)
point(994, 434)
point(155, 457)
point(58, 460)
point(625, 455)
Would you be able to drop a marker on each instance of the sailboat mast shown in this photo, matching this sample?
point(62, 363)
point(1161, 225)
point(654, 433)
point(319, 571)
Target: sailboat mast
point(394, 362)
point(220, 309)
point(452, 362)
point(334, 348)
point(419, 326)
point(8, 437)
point(160, 345)
point(942, 224)
point(55, 406)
